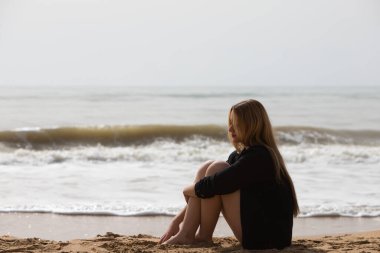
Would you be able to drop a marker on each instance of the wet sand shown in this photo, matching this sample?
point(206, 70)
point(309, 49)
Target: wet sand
point(67, 227)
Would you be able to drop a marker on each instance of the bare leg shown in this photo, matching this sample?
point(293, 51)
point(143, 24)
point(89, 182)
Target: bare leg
point(205, 212)
point(231, 212)
point(191, 220)
point(210, 207)
point(229, 204)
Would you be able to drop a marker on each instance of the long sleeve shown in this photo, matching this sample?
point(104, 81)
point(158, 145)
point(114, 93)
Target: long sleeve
point(253, 166)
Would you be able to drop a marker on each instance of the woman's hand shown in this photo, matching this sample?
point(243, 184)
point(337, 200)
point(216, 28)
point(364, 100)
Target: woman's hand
point(172, 230)
point(189, 191)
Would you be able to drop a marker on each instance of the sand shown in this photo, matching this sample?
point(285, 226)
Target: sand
point(68, 227)
point(110, 242)
point(22, 232)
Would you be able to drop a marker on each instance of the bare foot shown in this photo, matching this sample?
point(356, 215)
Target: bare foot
point(180, 239)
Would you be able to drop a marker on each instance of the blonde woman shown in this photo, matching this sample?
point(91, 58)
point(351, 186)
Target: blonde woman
point(253, 189)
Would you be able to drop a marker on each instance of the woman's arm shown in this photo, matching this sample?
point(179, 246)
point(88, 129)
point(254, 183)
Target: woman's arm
point(189, 192)
point(254, 166)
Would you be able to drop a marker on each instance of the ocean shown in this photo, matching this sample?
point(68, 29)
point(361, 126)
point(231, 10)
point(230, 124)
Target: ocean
point(129, 151)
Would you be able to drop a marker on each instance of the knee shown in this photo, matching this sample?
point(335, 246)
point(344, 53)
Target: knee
point(216, 167)
point(201, 173)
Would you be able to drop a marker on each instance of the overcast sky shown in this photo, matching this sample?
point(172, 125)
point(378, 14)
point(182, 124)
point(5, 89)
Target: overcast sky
point(92, 42)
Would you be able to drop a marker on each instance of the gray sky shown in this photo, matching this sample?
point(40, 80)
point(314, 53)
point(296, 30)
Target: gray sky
point(92, 42)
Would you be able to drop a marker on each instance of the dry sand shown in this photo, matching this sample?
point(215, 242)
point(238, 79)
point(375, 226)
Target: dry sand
point(22, 232)
point(110, 242)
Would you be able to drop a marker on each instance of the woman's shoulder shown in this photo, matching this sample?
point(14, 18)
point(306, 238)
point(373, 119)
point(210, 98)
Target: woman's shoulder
point(252, 151)
point(258, 152)
point(232, 157)
point(257, 149)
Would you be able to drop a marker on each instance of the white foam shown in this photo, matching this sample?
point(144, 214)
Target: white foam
point(148, 179)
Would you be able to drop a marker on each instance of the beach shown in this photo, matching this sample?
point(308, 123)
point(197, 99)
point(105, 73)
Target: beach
point(110, 109)
point(41, 232)
point(111, 179)
point(360, 242)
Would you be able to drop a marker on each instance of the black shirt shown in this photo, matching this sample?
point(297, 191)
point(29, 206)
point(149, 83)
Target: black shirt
point(265, 205)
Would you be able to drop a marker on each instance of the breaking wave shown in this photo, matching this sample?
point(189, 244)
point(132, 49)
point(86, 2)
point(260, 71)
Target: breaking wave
point(145, 134)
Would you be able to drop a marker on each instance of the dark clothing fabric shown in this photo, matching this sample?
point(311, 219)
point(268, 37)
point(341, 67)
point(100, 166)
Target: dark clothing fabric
point(265, 205)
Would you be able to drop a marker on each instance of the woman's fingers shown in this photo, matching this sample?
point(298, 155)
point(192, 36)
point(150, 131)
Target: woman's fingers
point(169, 233)
point(161, 239)
point(164, 238)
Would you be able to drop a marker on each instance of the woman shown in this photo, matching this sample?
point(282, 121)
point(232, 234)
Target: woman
point(252, 189)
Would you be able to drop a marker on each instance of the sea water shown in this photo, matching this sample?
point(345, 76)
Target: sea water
point(131, 150)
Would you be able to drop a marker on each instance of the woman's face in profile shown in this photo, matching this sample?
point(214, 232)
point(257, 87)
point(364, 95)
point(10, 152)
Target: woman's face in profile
point(232, 128)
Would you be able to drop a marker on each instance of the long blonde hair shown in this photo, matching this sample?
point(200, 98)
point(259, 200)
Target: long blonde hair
point(252, 125)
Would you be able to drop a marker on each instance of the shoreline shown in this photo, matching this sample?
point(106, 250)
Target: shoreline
point(63, 227)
